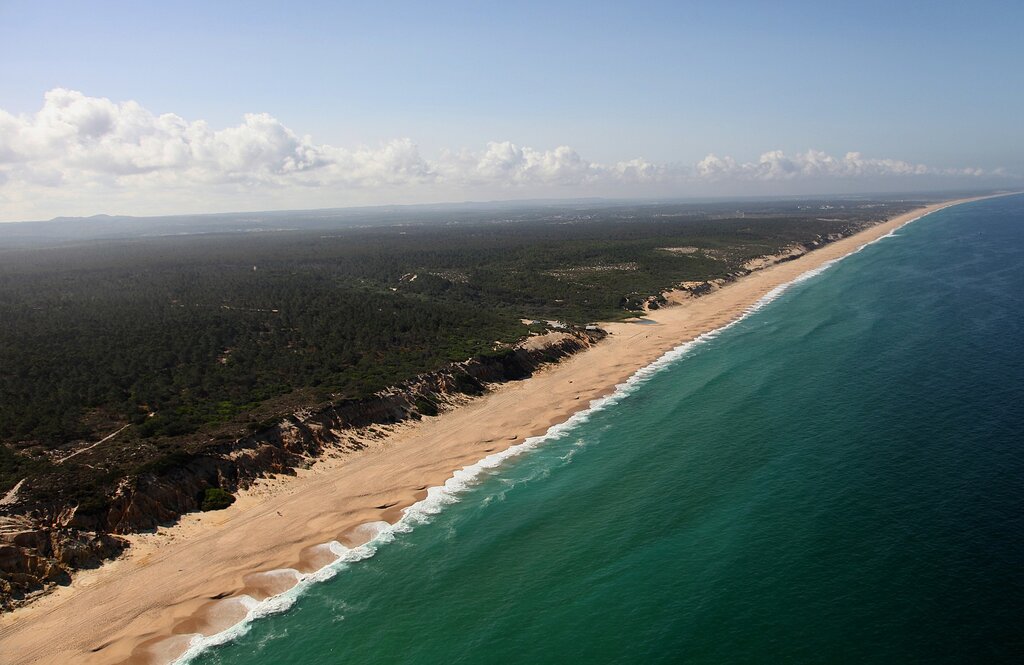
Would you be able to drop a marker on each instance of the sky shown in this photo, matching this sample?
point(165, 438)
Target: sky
point(159, 108)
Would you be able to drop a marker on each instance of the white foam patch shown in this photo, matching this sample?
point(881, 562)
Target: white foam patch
point(371, 530)
point(282, 574)
point(256, 609)
point(438, 497)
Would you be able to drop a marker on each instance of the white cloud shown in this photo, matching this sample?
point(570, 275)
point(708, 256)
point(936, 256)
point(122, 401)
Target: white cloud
point(79, 154)
point(776, 165)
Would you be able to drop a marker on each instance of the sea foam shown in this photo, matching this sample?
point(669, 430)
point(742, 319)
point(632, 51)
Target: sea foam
point(462, 480)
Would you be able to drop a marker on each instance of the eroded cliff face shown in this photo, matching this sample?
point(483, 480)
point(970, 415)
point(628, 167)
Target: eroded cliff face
point(34, 556)
point(43, 545)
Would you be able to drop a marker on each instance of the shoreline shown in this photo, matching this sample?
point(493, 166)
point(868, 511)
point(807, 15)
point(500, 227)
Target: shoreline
point(147, 605)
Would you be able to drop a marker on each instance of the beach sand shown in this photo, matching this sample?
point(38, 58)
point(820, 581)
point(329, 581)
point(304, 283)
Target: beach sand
point(187, 579)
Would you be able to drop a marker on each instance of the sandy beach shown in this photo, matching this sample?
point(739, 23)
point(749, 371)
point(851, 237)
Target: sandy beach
point(192, 578)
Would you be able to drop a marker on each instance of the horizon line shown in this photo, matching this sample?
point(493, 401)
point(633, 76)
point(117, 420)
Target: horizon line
point(534, 200)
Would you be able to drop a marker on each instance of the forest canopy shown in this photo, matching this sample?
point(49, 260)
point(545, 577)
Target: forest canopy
point(188, 337)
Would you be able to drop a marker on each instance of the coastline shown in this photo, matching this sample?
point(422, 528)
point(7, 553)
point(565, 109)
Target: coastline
point(145, 606)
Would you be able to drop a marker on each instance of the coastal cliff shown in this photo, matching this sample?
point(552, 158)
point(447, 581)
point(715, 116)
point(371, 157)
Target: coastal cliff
point(42, 545)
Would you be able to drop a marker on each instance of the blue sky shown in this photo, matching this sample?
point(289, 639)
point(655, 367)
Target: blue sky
point(937, 86)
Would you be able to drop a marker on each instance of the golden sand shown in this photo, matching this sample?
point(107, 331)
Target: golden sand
point(190, 578)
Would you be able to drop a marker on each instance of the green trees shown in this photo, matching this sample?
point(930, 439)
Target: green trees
point(180, 337)
point(216, 499)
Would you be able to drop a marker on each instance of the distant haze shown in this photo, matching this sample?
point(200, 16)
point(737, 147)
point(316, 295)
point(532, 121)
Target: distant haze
point(140, 109)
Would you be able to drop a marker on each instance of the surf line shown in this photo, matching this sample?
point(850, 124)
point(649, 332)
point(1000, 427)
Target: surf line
point(462, 480)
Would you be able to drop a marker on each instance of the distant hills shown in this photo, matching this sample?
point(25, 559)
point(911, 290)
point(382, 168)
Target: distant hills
point(62, 230)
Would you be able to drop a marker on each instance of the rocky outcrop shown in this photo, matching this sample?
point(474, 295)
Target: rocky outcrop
point(33, 558)
point(42, 546)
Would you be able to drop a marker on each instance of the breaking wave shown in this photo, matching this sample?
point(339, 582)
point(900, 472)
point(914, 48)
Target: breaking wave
point(462, 480)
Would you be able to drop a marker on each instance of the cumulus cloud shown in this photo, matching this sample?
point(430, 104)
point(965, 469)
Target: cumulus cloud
point(79, 148)
point(776, 165)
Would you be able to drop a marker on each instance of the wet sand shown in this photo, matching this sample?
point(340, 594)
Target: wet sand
point(199, 575)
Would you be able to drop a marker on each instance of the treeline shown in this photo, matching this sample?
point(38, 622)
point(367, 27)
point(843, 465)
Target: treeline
point(186, 334)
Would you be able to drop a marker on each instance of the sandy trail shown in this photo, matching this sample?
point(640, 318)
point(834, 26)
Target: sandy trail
point(185, 579)
point(87, 448)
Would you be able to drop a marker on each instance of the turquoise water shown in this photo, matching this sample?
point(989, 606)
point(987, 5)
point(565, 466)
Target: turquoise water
point(836, 478)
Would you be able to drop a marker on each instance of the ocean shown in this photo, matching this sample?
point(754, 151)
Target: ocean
point(838, 477)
